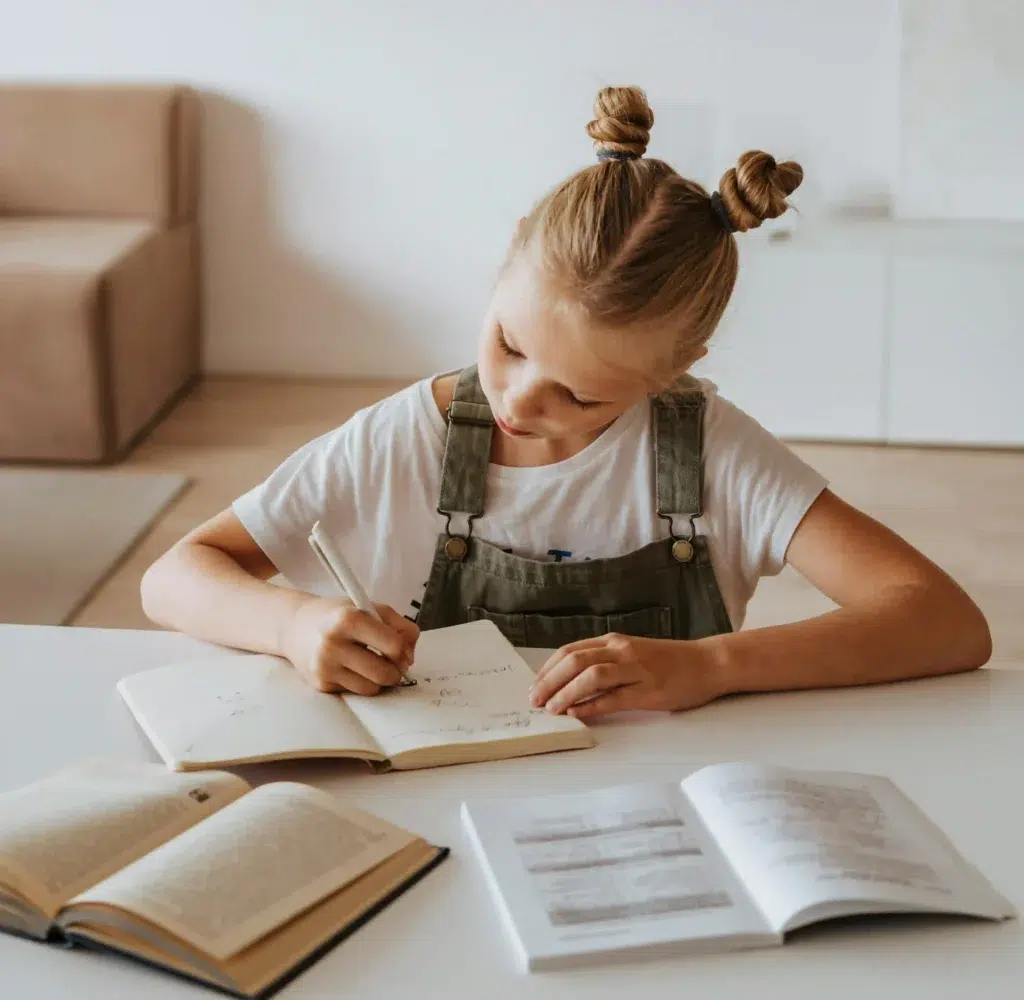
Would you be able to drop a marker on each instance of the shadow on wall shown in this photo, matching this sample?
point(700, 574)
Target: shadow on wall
point(269, 308)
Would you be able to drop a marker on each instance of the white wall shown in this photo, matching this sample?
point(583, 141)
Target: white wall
point(961, 109)
point(366, 162)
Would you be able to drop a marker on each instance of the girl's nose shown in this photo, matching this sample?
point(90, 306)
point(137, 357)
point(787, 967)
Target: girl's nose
point(522, 405)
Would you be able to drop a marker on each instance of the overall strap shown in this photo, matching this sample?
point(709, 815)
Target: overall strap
point(678, 432)
point(467, 450)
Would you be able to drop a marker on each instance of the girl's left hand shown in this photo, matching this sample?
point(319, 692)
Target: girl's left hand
point(616, 673)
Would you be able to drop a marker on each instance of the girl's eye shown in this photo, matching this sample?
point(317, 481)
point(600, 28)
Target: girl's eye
point(507, 349)
point(504, 345)
point(583, 404)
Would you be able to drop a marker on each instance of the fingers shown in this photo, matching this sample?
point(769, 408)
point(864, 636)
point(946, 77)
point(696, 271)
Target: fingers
point(353, 625)
point(364, 662)
point(562, 671)
point(336, 679)
point(409, 631)
point(596, 679)
point(619, 700)
point(355, 652)
point(561, 654)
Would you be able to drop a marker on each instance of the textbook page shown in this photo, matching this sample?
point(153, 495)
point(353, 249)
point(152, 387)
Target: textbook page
point(815, 844)
point(251, 867)
point(610, 872)
point(74, 828)
point(471, 687)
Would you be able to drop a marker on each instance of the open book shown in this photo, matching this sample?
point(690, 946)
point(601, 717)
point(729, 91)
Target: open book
point(470, 703)
point(239, 888)
point(735, 856)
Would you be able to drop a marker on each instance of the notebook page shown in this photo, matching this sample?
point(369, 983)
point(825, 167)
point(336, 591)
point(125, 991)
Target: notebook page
point(471, 687)
point(239, 707)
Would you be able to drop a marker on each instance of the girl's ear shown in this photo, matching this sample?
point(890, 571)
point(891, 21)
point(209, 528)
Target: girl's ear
point(679, 372)
point(701, 352)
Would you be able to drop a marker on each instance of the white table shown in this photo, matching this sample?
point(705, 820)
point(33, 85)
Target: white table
point(954, 744)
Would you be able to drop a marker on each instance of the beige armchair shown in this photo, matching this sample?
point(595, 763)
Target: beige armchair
point(99, 265)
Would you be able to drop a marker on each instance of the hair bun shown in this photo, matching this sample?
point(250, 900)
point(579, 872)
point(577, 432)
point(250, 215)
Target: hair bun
point(757, 188)
point(622, 121)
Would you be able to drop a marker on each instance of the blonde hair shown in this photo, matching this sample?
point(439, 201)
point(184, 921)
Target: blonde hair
point(633, 243)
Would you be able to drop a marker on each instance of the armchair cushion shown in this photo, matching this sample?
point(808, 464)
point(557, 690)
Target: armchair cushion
point(97, 331)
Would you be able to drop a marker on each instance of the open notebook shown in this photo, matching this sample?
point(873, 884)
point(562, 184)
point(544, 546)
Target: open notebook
point(734, 856)
point(470, 703)
point(200, 875)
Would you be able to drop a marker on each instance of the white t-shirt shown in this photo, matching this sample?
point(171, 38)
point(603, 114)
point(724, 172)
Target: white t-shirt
point(373, 484)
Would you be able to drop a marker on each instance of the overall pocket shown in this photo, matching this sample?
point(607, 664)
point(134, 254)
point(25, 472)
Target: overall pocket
point(540, 631)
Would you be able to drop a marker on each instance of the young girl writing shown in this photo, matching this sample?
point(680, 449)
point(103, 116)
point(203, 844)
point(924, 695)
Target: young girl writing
point(577, 487)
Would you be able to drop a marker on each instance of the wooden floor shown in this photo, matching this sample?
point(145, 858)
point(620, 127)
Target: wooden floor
point(965, 509)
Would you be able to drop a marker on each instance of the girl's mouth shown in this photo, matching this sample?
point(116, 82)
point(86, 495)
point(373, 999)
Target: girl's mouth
point(509, 430)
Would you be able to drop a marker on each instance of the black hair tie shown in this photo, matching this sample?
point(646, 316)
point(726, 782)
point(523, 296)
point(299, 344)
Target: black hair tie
point(718, 206)
point(614, 154)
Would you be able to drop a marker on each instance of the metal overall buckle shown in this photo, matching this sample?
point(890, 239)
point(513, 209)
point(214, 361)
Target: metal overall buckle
point(457, 546)
point(682, 548)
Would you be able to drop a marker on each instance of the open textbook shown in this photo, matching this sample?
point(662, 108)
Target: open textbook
point(470, 703)
point(199, 874)
point(735, 856)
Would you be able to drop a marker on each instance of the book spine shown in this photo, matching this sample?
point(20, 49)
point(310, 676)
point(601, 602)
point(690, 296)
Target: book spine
point(526, 963)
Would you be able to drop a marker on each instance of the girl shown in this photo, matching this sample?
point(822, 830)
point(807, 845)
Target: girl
point(577, 487)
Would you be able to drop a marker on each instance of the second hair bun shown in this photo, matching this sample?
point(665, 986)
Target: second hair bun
point(757, 188)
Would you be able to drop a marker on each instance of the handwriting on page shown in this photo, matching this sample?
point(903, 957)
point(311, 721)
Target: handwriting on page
point(450, 690)
point(238, 703)
point(505, 721)
point(469, 702)
point(448, 696)
point(459, 675)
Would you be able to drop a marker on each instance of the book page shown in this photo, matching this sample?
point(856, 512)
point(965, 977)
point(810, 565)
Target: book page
point(814, 844)
point(607, 870)
point(251, 867)
point(471, 687)
point(239, 708)
point(73, 829)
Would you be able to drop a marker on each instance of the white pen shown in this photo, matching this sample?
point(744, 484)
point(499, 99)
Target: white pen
point(339, 570)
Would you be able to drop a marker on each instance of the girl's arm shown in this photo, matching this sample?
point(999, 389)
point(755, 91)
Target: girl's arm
point(899, 616)
point(213, 585)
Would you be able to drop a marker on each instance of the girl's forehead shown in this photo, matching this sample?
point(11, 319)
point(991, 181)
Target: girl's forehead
point(558, 335)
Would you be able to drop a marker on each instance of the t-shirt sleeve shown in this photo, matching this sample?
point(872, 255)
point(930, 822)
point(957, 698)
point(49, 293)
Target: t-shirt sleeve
point(757, 490)
point(280, 511)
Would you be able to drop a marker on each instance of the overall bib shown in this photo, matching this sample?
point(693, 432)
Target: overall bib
point(665, 590)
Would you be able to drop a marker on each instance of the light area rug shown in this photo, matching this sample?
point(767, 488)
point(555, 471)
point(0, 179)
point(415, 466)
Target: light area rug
point(62, 533)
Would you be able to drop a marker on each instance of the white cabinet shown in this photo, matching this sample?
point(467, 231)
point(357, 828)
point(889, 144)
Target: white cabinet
point(957, 352)
point(802, 346)
point(903, 332)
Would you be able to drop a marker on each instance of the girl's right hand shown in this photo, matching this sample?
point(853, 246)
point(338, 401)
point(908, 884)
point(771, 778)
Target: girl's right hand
point(326, 640)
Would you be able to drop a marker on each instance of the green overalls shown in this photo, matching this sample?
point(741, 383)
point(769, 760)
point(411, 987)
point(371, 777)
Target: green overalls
point(666, 589)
